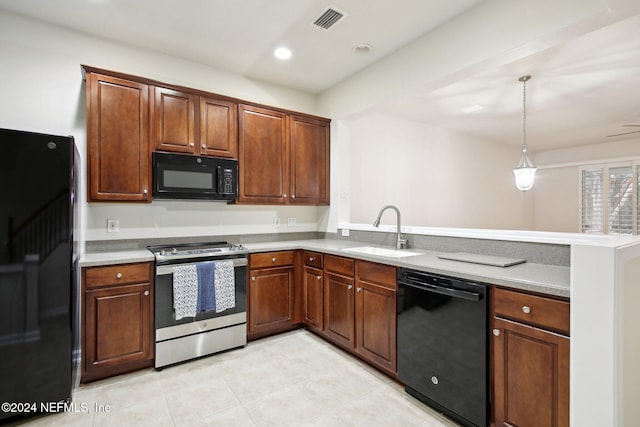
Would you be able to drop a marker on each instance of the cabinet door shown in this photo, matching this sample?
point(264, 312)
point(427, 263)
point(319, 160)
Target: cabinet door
point(339, 310)
point(271, 303)
point(174, 120)
point(531, 376)
point(218, 128)
point(312, 297)
point(376, 324)
point(118, 140)
point(264, 156)
point(309, 161)
point(118, 329)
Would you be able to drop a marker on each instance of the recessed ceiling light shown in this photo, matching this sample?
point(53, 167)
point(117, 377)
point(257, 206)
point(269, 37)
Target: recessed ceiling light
point(362, 48)
point(282, 53)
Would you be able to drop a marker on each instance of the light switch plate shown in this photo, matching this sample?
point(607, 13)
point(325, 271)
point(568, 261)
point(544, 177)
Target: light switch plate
point(345, 232)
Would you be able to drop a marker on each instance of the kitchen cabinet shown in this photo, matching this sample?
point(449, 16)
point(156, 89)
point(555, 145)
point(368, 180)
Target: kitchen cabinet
point(309, 161)
point(283, 158)
point(174, 115)
point(271, 295)
point(360, 309)
point(117, 319)
point(375, 314)
point(339, 320)
point(187, 123)
point(312, 290)
point(118, 143)
point(530, 360)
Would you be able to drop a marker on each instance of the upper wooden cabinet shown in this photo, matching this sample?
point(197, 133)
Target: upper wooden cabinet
point(218, 128)
point(174, 115)
point(263, 160)
point(309, 161)
point(119, 159)
point(283, 159)
point(192, 124)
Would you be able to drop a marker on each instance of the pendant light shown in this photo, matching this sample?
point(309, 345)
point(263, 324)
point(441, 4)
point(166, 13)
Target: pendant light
point(525, 171)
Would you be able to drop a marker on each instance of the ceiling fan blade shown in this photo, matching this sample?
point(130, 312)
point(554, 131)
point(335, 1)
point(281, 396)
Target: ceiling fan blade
point(626, 133)
point(631, 126)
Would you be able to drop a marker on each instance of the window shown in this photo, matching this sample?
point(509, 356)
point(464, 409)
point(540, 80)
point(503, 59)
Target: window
point(609, 198)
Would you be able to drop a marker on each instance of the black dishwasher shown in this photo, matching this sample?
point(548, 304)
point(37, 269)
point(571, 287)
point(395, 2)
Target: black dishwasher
point(443, 344)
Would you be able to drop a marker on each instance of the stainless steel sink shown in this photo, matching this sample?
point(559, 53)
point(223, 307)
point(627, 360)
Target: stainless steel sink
point(372, 250)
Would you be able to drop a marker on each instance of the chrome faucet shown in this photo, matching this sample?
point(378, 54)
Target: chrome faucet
point(401, 242)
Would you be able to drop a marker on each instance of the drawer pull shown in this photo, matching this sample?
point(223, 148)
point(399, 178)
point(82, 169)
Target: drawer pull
point(311, 259)
point(496, 332)
point(359, 289)
point(319, 277)
point(146, 293)
point(526, 309)
point(350, 287)
point(203, 146)
point(119, 276)
point(273, 259)
point(253, 278)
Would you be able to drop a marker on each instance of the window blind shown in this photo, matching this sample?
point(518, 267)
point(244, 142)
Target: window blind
point(592, 220)
point(621, 188)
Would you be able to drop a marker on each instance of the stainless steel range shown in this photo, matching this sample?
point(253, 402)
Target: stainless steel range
point(213, 319)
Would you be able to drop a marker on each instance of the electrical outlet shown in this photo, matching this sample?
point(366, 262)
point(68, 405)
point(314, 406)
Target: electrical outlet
point(113, 225)
point(276, 222)
point(291, 221)
point(345, 232)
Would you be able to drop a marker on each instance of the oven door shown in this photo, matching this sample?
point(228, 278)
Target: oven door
point(164, 313)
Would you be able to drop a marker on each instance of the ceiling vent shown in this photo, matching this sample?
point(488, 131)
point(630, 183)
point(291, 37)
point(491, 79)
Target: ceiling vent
point(329, 18)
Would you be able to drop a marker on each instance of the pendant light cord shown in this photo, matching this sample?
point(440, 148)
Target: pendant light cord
point(524, 114)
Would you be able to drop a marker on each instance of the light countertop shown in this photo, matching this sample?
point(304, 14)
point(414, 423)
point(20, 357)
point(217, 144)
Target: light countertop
point(546, 279)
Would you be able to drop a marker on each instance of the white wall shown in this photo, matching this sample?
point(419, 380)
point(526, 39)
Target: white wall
point(42, 91)
point(436, 177)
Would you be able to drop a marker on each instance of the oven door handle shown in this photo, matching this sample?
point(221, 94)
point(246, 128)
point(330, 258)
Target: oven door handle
point(456, 293)
point(168, 269)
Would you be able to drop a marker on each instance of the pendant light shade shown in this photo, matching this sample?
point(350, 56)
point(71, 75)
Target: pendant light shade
point(525, 171)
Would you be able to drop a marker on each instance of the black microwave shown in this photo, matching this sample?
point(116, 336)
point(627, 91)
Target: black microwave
point(180, 176)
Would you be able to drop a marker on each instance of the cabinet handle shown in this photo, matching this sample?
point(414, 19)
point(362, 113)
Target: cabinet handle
point(311, 259)
point(293, 196)
point(359, 289)
point(273, 259)
point(203, 146)
point(146, 293)
point(496, 332)
point(119, 276)
point(350, 287)
point(145, 191)
point(191, 144)
point(319, 277)
point(253, 278)
point(526, 309)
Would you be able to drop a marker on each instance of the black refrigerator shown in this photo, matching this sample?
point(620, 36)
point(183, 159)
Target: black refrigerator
point(39, 301)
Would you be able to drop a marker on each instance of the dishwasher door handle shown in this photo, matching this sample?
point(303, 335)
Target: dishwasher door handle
point(456, 293)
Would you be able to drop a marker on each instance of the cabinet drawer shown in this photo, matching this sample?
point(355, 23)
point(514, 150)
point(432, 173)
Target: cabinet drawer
point(539, 311)
point(339, 265)
point(377, 273)
point(271, 259)
point(117, 274)
point(312, 259)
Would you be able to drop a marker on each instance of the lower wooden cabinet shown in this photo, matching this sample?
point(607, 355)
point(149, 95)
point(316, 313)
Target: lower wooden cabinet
point(530, 363)
point(312, 290)
point(375, 314)
point(360, 309)
point(117, 313)
point(271, 293)
point(339, 320)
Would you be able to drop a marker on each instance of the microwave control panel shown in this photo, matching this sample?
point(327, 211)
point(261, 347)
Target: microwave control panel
point(225, 180)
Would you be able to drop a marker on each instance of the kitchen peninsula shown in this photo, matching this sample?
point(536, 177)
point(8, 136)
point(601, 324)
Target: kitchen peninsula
point(601, 270)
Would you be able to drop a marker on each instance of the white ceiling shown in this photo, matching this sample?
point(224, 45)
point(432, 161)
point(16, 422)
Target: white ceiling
point(580, 92)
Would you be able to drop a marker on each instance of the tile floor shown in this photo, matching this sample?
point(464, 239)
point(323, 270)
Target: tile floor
point(292, 379)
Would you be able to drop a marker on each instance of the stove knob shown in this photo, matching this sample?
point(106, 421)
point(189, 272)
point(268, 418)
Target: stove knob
point(174, 251)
